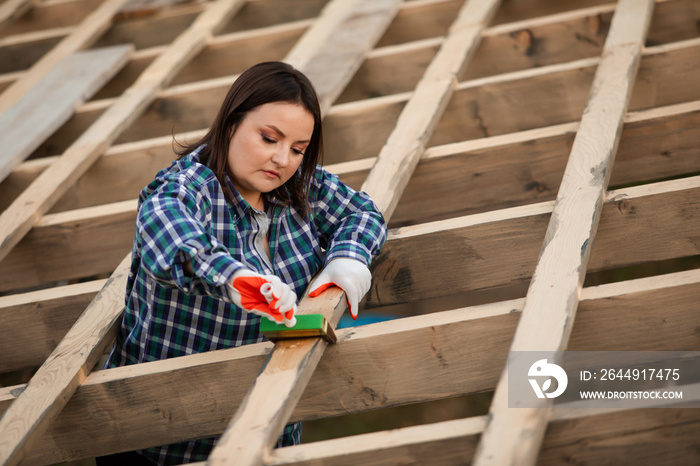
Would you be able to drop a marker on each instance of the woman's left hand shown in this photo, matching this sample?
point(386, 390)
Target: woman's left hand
point(351, 275)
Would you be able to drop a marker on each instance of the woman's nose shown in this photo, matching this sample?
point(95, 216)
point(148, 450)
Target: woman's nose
point(281, 156)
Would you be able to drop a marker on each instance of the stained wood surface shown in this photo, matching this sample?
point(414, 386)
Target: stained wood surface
point(35, 408)
point(19, 218)
point(34, 323)
point(433, 365)
point(514, 436)
point(13, 9)
point(61, 374)
point(507, 129)
point(343, 34)
point(53, 100)
point(404, 147)
point(91, 27)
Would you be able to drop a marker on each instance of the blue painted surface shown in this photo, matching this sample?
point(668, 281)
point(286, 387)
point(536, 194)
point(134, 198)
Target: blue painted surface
point(362, 319)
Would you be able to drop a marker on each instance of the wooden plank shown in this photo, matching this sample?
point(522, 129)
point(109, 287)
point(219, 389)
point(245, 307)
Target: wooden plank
point(652, 436)
point(54, 99)
point(54, 383)
point(520, 168)
point(361, 28)
point(495, 105)
point(448, 442)
point(526, 9)
point(10, 10)
point(82, 36)
point(515, 435)
point(329, 53)
point(34, 323)
point(123, 408)
point(77, 353)
point(50, 15)
point(652, 214)
point(415, 126)
point(19, 218)
point(655, 144)
point(419, 20)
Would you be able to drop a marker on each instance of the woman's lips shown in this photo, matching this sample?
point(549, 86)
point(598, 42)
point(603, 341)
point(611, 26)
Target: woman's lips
point(271, 173)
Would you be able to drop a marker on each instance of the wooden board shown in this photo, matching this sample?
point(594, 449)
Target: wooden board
point(515, 435)
point(91, 27)
point(498, 151)
point(64, 370)
point(53, 100)
point(344, 34)
point(433, 365)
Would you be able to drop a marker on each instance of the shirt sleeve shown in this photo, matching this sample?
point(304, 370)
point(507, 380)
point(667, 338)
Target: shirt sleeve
point(349, 223)
point(172, 229)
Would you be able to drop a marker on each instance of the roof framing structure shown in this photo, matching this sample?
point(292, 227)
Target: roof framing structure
point(518, 148)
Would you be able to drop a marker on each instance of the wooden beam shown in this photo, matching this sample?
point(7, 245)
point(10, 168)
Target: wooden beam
point(515, 435)
point(421, 19)
point(329, 54)
point(540, 42)
point(496, 105)
point(519, 168)
point(19, 218)
point(91, 28)
point(54, 383)
point(624, 437)
point(526, 9)
point(474, 243)
point(407, 258)
point(50, 15)
point(123, 409)
point(415, 126)
point(53, 100)
point(448, 442)
point(11, 10)
point(34, 323)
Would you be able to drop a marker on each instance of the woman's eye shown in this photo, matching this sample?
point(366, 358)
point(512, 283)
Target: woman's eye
point(298, 151)
point(268, 140)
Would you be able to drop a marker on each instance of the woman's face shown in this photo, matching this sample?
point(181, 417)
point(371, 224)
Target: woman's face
point(267, 148)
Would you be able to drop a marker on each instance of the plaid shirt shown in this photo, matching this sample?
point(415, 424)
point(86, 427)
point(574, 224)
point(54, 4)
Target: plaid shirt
point(184, 216)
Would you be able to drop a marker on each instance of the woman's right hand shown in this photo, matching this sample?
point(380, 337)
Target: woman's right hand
point(264, 295)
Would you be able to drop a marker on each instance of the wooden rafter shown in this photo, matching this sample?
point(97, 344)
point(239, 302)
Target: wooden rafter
point(265, 410)
point(80, 350)
point(514, 435)
point(437, 347)
point(498, 149)
point(90, 29)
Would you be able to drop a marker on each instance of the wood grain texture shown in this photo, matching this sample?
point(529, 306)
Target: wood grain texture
point(404, 147)
point(415, 359)
point(403, 271)
point(53, 100)
point(91, 28)
point(34, 323)
point(514, 436)
point(329, 53)
point(62, 373)
point(19, 218)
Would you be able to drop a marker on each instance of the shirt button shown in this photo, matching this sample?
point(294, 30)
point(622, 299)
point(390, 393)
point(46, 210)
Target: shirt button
point(186, 290)
point(216, 278)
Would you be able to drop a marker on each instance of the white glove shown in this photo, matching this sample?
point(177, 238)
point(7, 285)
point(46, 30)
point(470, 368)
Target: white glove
point(263, 295)
point(351, 275)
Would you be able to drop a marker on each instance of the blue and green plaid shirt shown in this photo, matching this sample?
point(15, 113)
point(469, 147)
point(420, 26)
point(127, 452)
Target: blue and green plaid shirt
point(183, 216)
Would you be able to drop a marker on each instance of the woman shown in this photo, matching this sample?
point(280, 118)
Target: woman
point(246, 207)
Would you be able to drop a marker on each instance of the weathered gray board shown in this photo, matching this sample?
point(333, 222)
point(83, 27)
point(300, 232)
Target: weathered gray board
point(51, 103)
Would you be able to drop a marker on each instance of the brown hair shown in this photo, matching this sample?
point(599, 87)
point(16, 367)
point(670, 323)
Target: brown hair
point(261, 84)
